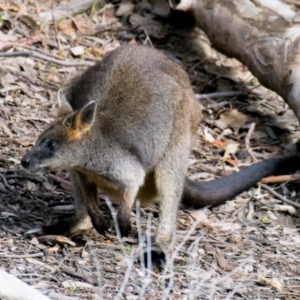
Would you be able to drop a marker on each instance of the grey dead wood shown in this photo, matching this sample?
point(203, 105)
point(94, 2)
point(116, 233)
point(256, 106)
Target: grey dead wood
point(12, 288)
point(72, 8)
point(263, 35)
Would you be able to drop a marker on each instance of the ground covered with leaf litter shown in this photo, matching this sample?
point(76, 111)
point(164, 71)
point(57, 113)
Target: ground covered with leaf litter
point(245, 249)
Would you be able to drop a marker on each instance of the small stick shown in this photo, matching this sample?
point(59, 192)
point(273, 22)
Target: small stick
point(39, 254)
point(279, 196)
point(281, 178)
point(250, 211)
point(247, 141)
point(220, 95)
point(88, 278)
point(55, 29)
point(66, 63)
point(50, 273)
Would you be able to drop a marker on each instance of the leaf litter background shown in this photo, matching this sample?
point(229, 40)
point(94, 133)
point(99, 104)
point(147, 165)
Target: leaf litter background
point(246, 249)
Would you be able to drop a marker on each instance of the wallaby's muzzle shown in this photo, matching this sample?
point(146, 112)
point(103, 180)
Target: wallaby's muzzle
point(25, 162)
point(30, 162)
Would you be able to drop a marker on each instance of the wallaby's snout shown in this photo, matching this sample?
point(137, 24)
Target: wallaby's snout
point(25, 161)
point(29, 162)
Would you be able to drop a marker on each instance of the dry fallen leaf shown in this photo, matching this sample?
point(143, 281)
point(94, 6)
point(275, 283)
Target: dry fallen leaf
point(153, 28)
point(232, 162)
point(219, 256)
point(125, 9)
point(230, 149)
point(233, 119)
point(219, 144)
point(208, 136)
point(273, 282)
point(77, 51)
point(67, 27)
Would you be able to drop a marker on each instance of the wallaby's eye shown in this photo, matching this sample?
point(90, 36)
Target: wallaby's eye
point(51, 145)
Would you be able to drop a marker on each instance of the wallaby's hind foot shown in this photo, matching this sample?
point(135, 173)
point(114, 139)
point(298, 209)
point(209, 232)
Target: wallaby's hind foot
point(124, 224)
point(154, 258)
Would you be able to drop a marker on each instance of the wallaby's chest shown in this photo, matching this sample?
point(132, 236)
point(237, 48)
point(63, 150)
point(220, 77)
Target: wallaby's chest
point(147, 192)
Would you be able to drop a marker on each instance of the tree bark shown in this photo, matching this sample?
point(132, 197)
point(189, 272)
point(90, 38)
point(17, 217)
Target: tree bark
point(262, 34)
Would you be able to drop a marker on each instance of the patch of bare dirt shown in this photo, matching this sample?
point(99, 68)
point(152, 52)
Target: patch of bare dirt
point(246, 249)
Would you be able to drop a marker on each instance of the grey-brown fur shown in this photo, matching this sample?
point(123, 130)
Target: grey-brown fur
point(132, 142)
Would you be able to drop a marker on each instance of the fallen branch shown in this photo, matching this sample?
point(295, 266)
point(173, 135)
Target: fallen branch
point(263, 35)
point(47, 58)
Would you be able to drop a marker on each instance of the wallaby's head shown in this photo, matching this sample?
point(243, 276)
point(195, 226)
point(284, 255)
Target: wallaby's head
point(61, 145)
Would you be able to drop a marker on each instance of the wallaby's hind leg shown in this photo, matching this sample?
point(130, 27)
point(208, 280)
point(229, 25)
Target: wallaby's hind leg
point(170, 174)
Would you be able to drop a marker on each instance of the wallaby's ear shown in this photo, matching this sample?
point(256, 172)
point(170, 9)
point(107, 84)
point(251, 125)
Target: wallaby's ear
point(64, 106)
point(81, 122)
point(87, 115)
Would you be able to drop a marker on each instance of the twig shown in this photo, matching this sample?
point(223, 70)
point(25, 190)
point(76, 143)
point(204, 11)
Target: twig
point(86, 277)
point(130, 261)
point(147, 40)
point(247, 141)
point(281, 178)
point(46, 58)
point(220, 95)
point(158, 276)
point(39, 254)
point(292, 2)
point(250, 214)
point(6, 183)
point(55, 28)
point(50, 273)
point(56, 239)
point(279, 196)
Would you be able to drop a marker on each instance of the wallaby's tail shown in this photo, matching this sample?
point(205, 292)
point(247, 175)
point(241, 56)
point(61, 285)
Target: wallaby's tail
point(211, 193)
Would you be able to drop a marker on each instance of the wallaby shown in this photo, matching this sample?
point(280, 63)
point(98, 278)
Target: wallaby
point(126, 125)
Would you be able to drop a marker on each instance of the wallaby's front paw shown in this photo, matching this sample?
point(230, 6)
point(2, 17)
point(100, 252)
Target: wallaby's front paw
point(154, 258)
point(37, 231)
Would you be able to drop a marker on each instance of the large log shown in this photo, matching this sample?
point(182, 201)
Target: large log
point(12, 288)
point(263, 34)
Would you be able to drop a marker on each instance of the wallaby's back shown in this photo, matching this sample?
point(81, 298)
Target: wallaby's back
point(139, 94)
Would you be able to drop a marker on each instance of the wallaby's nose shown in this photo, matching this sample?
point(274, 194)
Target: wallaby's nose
point(25, 162)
